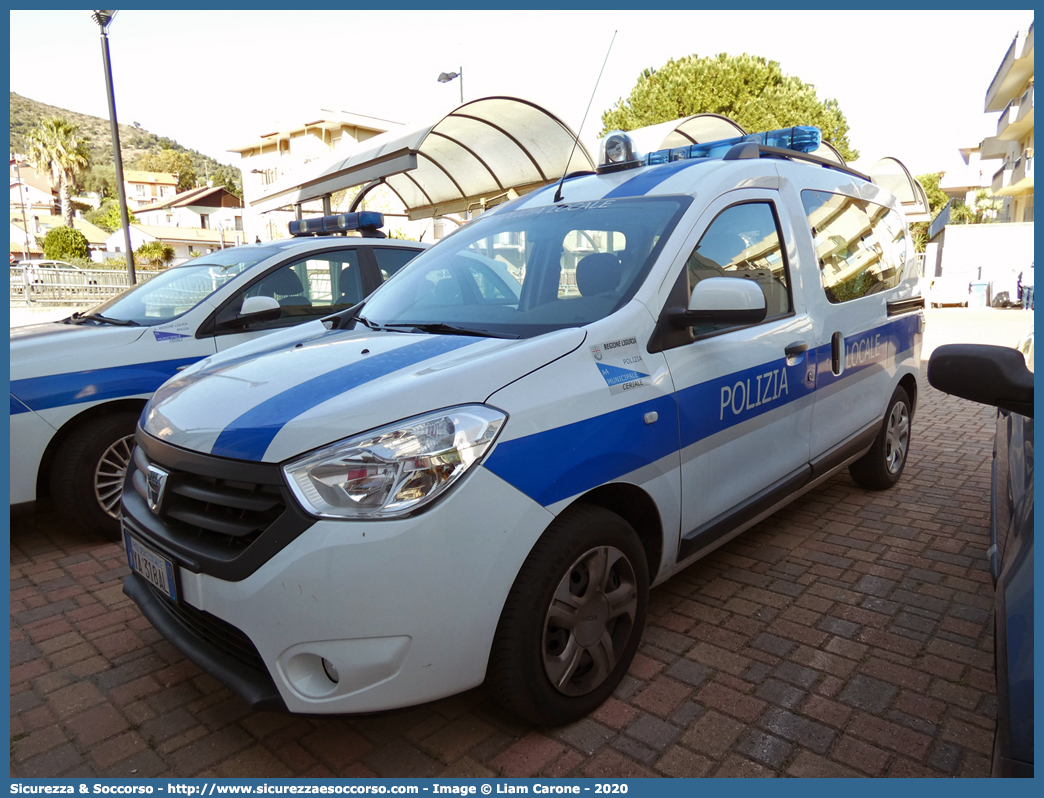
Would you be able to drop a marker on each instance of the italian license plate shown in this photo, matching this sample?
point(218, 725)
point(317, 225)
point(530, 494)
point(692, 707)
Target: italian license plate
point(156, 568)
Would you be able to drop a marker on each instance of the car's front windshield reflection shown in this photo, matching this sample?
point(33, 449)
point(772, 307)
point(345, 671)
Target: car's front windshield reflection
point(176, 291)
point(533, 270)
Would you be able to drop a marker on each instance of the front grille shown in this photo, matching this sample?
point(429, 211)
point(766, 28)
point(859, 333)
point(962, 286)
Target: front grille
point(221, 517)
point(221, 635)
point(222, 511)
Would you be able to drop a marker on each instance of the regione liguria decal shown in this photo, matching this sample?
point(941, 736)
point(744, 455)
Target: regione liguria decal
point(620, 364)
point(178, 331)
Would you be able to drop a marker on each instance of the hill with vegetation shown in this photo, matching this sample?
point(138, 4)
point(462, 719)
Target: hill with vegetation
point(140, 149)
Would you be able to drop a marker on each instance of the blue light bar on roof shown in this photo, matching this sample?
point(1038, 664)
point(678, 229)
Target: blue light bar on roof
point(338, 223)
point(802, 138)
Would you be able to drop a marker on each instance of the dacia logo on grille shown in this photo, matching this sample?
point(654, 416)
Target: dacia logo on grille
point(156, 482)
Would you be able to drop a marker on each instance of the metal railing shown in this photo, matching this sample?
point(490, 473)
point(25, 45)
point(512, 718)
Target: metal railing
point(36, 286)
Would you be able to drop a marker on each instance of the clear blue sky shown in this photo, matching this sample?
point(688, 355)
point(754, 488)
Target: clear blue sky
point(911, 83)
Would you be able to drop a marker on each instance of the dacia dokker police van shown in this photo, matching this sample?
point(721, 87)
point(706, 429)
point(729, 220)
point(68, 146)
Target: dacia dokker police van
point(478, 473)
point(79, 385)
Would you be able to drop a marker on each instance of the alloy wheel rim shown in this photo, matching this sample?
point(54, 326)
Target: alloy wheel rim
point(109, 474)
point(590, 621)
point(897, 437)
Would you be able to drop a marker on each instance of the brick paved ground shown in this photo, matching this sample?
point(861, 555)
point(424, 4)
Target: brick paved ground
point(849, 635)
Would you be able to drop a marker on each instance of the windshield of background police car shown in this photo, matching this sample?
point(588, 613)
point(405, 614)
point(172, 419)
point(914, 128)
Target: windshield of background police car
point(525, 272)
point(178, 290)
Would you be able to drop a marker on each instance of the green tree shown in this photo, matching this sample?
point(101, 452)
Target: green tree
point(983, 209)
point(154, 254)
point(230, 177)
point(102, 178)
point(746, 88)
point(55, 147)
point(65, 243)
point(171, 161)
point(107, 217)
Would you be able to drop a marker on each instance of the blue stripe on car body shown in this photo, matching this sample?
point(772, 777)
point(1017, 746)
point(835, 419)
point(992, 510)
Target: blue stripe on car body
point(115, 382)
point(553, 465)
point(567, 461)
point(248, 436)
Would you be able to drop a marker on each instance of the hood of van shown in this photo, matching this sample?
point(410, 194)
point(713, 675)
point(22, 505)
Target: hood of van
point(276, 404)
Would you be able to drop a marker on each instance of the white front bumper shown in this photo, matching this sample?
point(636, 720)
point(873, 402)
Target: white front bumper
point(404, 610)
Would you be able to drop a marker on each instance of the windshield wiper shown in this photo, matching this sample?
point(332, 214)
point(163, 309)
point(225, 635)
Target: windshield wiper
point(341, 319)
point(441, 328)
point(81, 317)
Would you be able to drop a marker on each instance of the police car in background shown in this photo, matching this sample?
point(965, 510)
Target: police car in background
point(79, 385)
point(478, 474)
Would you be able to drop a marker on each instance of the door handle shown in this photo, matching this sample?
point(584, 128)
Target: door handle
point(837, 353)
point(796, 348)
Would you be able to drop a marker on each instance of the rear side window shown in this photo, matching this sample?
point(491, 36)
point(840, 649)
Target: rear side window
point(861, 246)
point(391, 259)
point(744, 242)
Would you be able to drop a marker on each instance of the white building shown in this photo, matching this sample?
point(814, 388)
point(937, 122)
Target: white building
point(30, 192)
point(145, 188)
point(274, 155)
point(188, 242)
point(1011, 93)
point(994, 253)
point(204, 208)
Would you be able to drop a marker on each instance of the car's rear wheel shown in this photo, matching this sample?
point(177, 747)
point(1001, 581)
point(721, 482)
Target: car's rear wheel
point(573, 619)
point(88, 471)
point(881, 467)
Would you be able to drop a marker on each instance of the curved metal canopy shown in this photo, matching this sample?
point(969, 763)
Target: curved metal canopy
point(891, 175)
point(480, 154)
point(496, 148)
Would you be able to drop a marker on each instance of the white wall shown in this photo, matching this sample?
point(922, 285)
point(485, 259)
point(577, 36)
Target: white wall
point(985, 251)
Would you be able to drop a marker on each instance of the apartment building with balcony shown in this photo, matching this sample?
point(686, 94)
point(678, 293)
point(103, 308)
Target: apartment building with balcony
point(1011, 93)
point(995, 253)
point(271, 156)
point(144, 188)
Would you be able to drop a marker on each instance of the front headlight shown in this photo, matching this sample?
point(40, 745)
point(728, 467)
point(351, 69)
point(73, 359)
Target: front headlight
point(394, 470)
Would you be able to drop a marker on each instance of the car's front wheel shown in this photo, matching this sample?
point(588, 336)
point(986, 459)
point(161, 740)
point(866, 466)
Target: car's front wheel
point(573, 620)
point(88, 470)
point(881, 467)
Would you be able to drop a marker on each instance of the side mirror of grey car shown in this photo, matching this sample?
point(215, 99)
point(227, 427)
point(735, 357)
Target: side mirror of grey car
point(991, 375)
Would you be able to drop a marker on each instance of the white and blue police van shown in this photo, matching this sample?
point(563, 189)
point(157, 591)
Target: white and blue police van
point(478, 473)
point(79, 385)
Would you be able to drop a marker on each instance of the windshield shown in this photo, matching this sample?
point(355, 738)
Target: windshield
point(178, 290)
point(526, 272)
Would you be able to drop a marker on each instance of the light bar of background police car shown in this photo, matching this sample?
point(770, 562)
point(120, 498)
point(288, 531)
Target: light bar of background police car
point(618, 150)
point(338, 223)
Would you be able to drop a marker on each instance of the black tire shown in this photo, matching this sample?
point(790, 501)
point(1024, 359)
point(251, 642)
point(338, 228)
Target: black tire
point(881, 467)
point(88, 470)
point(599, 643)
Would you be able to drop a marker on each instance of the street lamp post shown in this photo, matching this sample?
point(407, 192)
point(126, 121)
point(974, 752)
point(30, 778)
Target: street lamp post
point(446, 77)
point(104, 19)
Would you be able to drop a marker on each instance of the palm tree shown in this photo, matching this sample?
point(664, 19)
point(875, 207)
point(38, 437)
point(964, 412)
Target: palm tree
point(56, 147)
point(155, 254)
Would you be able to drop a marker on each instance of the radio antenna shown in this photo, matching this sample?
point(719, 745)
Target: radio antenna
point(558, 191)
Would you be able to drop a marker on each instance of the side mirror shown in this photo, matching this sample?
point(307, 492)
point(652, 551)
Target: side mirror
point(254, 309)
point(723, 301)
point(990, 375)
point(260, 308)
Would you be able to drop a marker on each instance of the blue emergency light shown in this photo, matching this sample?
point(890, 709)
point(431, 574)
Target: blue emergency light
point(366, 222)
point(619, 152)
